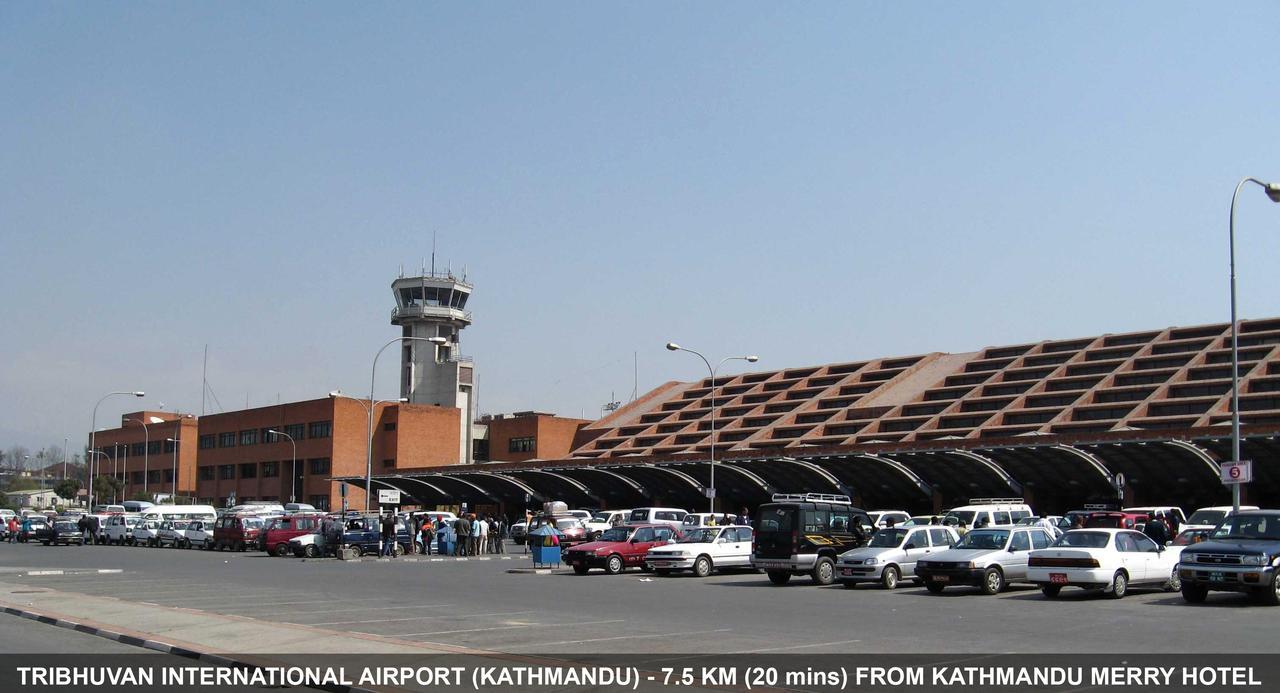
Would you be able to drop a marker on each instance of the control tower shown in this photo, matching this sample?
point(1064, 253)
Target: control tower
point(433, 306)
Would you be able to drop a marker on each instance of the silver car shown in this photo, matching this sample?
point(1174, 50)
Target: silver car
point(892, 554)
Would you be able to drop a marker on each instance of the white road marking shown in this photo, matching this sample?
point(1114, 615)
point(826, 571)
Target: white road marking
point(416, 618)
point(800, 647)
point(631, 637)
point(522, 625)
point(369, 608)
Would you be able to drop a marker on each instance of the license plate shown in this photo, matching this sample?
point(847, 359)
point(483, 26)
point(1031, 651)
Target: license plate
point(661, 564)
point(1058, 578)
point(577, 561)
point(1217, 577)
point(846, 571)
point(942, 578)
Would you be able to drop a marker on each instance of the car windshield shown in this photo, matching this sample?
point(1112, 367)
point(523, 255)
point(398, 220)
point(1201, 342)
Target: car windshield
point(65, 526)
point(958, 516)
point(1191, 536)
point(615, 534)
point(888, 538)
point(705, 535)
point(984, 539)
point(1249, 527)
point(568, 523)
point(1207, 517)
point(1084, 540)
point(778, 519)
point(180, 524)
point(601, 517)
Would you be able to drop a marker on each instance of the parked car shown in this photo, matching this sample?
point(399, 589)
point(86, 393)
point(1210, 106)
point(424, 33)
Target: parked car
point(277, 533)
point(923, 521)
point(519, 531)
point(990, 512)
point(892, 554)
point(1051, 523)
point(600, 522)
point(31, 524)
point(987, 558)
point(170, 533)
point(60, 532)
point(146, 533)
point(704, 549)
point(805, 533)
point(118, 529)
point(880, 518)
point(657, 516)
point(618, 548)
point(237, 532)
point(1166, 510)
point(572, 530)
point(1211, 516)
point(1241, 555)
point(693, 520)
point(1112, 560)
point(1188, 537)
point(1114, 519)
point(198, 534)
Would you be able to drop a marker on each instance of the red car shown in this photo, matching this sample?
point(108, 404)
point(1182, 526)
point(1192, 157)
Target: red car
point(276, 536)
point(618, 548)
point(237, 532)
point(1114, 520)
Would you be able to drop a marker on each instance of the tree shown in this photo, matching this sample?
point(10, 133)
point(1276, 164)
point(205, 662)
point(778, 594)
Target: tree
point(141, 496)
point(107, 487)
point(67, 488)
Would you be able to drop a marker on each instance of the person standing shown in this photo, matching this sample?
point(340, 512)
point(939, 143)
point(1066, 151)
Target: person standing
point(499, 535)
point(1156, 530)
point(389, 535)
point(473, 549)
point(462, 528)
point(428, 534)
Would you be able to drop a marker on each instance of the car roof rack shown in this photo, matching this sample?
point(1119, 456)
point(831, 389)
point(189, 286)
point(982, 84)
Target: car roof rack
point(995, 501)
point(811, 497)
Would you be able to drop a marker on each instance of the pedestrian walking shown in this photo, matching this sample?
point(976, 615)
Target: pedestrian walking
point(499, 535)
point(389, 535)
point(1156, 530)
point(474, 548)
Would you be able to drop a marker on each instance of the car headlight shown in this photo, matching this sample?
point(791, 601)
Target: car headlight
point(870, 561)
point(974, 564)
point(1253, 559)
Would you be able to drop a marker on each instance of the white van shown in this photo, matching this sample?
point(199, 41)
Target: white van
point(180, 512)
point(657, 516)
point(257, 509)
point(989, 512)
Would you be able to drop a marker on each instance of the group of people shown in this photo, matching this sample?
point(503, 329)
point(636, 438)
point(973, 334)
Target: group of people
point(468, 535)
point(1161, 527)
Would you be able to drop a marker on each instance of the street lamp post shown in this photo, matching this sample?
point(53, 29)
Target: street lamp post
point(91, 466)
point(368, 465)
point(173, 493)
point(672, 346)
point(93, 431)
point(368, 410)
point(293, 466)
point(1273, 192)
point(146, 449)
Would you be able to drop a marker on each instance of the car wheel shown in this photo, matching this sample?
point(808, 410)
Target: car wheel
point(399, 550)
point(280, 550)
point(133, 542)
point(1271, 594)
point(311, 551)
point(662, 572)
point(889, 578)
point(614, 565)
point(824, 571)
point(580, 569)
point(934, 587)
point(1174, 582)
point(702, 566)
point(45, 543)
point(240, 546)
point(1051, 591)
point(1119, 585)
point(992, 581)
point(1193, 593)
point(779, 577)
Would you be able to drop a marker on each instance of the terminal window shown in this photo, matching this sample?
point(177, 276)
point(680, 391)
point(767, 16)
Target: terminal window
point(249, 437)
point(270, 469)
point(522, 445)
point(248, 470)
point(207, 442)
point(319, 465)
point(227, 471)
point(227, 440)
point(206, 474)
point(320, 429)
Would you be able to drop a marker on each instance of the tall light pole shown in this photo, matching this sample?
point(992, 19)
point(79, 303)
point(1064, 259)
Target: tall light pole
point(91, 466)
point(66, 440)
point(368, 465)
point(293, 466)
point(1273, 192)
point(146, 449)
point(672, 346)
point(173, 494)
point(93, 431)
point(368, 410)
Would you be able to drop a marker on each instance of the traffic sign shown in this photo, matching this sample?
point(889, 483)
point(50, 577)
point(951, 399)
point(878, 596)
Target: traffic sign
point(388, 496)
point(1236, 472)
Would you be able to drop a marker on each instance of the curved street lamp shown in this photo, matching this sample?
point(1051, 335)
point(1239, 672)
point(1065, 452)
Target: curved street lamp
point(1273, 192)
point(368, 410)
point(293, 466)
point(93, 431)
point(672, 346)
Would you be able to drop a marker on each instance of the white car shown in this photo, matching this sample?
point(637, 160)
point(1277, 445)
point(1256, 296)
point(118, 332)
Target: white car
point(1108, 559)
point(703, 550)
point(1210, 517)
point(170, 533)
point(605, 520)
point(118, 529)
point(986, 558)
point(891, 554)
point(880, 518)
point(146, 533)
point(198, 534)
point(694, 520)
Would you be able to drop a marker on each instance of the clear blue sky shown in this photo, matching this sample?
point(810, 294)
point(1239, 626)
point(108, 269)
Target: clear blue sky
point(809, 182)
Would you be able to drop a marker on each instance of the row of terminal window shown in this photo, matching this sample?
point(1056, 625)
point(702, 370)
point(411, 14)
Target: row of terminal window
point(250, 470)
point(254, 436)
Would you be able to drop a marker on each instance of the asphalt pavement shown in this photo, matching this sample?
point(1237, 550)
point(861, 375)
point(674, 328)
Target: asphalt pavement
point(478, 604)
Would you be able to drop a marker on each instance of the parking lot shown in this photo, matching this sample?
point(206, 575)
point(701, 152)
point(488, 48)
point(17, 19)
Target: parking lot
point(476, 603)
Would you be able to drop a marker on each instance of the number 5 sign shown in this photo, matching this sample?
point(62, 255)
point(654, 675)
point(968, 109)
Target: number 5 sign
point(1237, 472)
